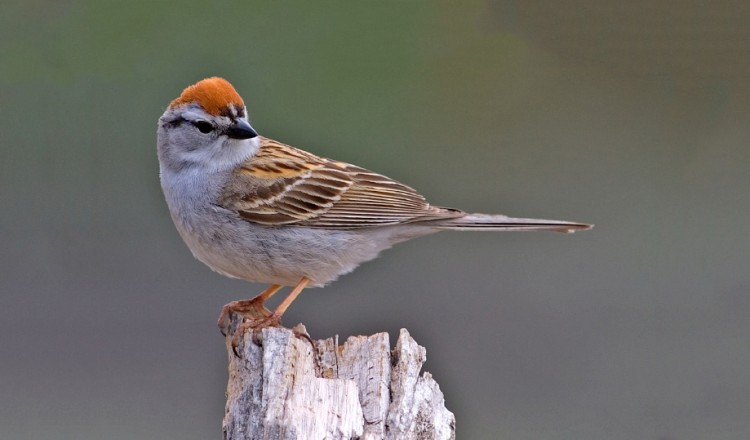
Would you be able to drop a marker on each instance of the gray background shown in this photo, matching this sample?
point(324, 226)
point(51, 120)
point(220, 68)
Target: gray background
point(633, 116)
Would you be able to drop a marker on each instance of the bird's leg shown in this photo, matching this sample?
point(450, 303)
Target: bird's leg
point(270, 319)
point(252, 309)
point(274, 319)
point(276, 315)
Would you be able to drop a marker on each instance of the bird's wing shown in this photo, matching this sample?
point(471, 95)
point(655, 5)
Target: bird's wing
point(282, 185)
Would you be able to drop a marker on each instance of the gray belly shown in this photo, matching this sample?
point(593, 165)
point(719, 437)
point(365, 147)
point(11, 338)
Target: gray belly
point(282, 255)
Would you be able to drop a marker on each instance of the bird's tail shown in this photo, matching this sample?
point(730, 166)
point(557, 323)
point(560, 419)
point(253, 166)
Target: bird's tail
point(497, 222)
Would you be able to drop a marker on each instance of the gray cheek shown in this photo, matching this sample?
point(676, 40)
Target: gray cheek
point(188, 140)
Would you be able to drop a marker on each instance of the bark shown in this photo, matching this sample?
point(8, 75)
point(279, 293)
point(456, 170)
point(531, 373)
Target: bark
point(283, 385)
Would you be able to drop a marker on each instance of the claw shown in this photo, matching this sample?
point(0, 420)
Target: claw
point(304, 335)
point(252, 309)
point(254, 315)
point(254, 326)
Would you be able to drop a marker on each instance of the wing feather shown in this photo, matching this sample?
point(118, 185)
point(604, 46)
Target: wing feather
point(282, 185)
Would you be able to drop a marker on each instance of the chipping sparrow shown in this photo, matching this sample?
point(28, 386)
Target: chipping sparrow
point(253, 208)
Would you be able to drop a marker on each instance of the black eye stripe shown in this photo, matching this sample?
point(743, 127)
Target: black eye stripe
point(203, 126)
point(176, 122)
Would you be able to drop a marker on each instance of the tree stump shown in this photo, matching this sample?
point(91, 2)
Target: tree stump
point(284, 385)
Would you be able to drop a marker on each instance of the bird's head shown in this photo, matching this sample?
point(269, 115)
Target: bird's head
point(206, 126)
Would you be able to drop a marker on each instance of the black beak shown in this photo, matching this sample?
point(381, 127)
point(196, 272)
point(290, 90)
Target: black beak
point(241, 129)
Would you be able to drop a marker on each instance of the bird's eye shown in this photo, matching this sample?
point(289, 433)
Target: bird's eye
point(203, 126)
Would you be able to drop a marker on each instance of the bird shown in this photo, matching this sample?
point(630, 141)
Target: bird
point(254, 208)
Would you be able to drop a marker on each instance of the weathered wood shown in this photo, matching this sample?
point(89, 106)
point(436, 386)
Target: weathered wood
point(283, 385)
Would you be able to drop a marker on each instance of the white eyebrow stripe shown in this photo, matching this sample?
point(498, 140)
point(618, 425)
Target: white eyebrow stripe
point(233, 110)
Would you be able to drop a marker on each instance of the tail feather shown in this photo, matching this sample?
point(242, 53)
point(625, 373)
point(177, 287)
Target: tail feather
point(497, 222)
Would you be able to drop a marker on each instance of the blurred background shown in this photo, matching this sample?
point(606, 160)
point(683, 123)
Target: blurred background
point(632, 116)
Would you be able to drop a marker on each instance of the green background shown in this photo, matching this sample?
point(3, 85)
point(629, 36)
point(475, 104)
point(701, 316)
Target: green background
point(629, 115)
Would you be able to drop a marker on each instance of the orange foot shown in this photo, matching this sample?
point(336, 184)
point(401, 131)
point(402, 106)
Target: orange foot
point(252, 309)
point(249, 309)
point(254, 325)
point(254, 314)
